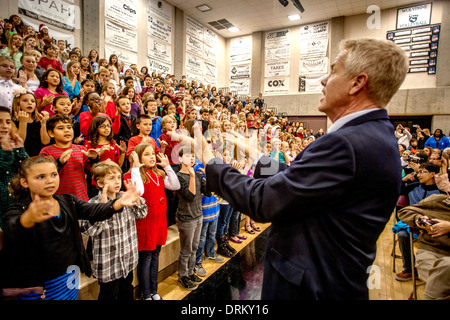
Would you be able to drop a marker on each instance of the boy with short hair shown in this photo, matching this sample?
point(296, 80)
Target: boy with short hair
point(144, 127)
point(151, 108)
point(72, 158)
point(115, 245)
point(204, 119)
point(189, 217)
point(51, 58)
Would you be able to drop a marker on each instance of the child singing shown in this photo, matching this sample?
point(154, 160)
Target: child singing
point(43, 250)
point(115, 246)
point(151, 230)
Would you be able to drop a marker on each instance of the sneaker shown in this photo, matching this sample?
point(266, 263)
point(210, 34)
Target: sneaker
point(403, 276)
point(156, 297)
point(198, 269)
point(187, 283)
point(215, 258)
point(194, 278)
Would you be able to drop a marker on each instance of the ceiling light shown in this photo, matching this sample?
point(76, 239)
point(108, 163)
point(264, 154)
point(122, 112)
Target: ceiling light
point(203, 8)
point(234, 29)
point(294, 17)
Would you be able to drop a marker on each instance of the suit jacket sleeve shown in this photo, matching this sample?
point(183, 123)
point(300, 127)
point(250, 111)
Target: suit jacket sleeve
point(320, 176)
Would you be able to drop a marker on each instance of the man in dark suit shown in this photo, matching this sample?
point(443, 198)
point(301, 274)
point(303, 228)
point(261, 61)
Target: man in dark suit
point(330, 205)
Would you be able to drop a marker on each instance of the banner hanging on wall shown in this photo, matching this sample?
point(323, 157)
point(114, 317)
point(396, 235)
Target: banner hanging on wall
point(314, 31)
point(123, 12)
point(308, 67)
point(159, 29)
point(280, 38)
point(278, 53)
point(57, 13)
point(241, 50)
point(240, 86)
point(313, 48)
point(193, 64)
point(240, 72)
point(157, 66)
point(194, 46)
point(311, 84)
point(276, 85)
point(159, 51)
point(161, 10)
point(126, 56)
point(120, 37)
point(194, 28)
point(277, 69)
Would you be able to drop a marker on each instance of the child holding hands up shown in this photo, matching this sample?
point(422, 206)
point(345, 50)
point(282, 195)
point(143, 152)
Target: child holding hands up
point(43, 250)
point(115, 246)
point(152, 230)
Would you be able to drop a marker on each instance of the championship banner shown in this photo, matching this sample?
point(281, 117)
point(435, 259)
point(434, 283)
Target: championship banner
point(308, 67)
point(240, 86)
point(57, 13)
point(123, 55)
point(240, 72)
point(314, 31)
point(277, 69)
point(311, 84)
point(120, 37)
point(123, 12)
point(194, 45)
point(161, 10)
point(159, 51)
point(279, 38)
point(314, 48)
point(276, 85)
point(159, 29)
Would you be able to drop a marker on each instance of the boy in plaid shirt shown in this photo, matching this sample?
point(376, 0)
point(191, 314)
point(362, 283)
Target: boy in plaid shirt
point(115, 245)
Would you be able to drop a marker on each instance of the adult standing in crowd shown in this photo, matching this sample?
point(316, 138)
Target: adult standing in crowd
point(438, 140)
point(337, 193)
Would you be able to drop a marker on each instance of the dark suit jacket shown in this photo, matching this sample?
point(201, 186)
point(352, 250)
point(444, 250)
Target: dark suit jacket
point(327, 208)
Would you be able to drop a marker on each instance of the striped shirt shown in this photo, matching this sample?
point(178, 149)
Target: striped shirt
point(115, 244)
point(72, 175)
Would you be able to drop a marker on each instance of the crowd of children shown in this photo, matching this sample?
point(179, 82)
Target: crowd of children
point(82, 138)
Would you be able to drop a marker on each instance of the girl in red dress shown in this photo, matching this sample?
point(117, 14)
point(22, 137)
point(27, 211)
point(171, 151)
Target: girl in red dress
point(151, 230)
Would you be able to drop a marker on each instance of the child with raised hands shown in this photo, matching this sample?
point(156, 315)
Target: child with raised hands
point(73, 160)
point(101, 139)
point(151, 230)
point(28, 123)
point(43, 251)
point(115, 244)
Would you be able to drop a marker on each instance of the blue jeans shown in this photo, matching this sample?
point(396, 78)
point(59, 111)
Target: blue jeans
point(147, 271)
point(207, 240)
point(235, 221)
point(224, 219)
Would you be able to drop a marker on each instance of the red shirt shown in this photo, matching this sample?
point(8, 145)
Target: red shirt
point(86, 119)
point(54, 63)
point(72, 176)
point(134, 141)
point(113, 153)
